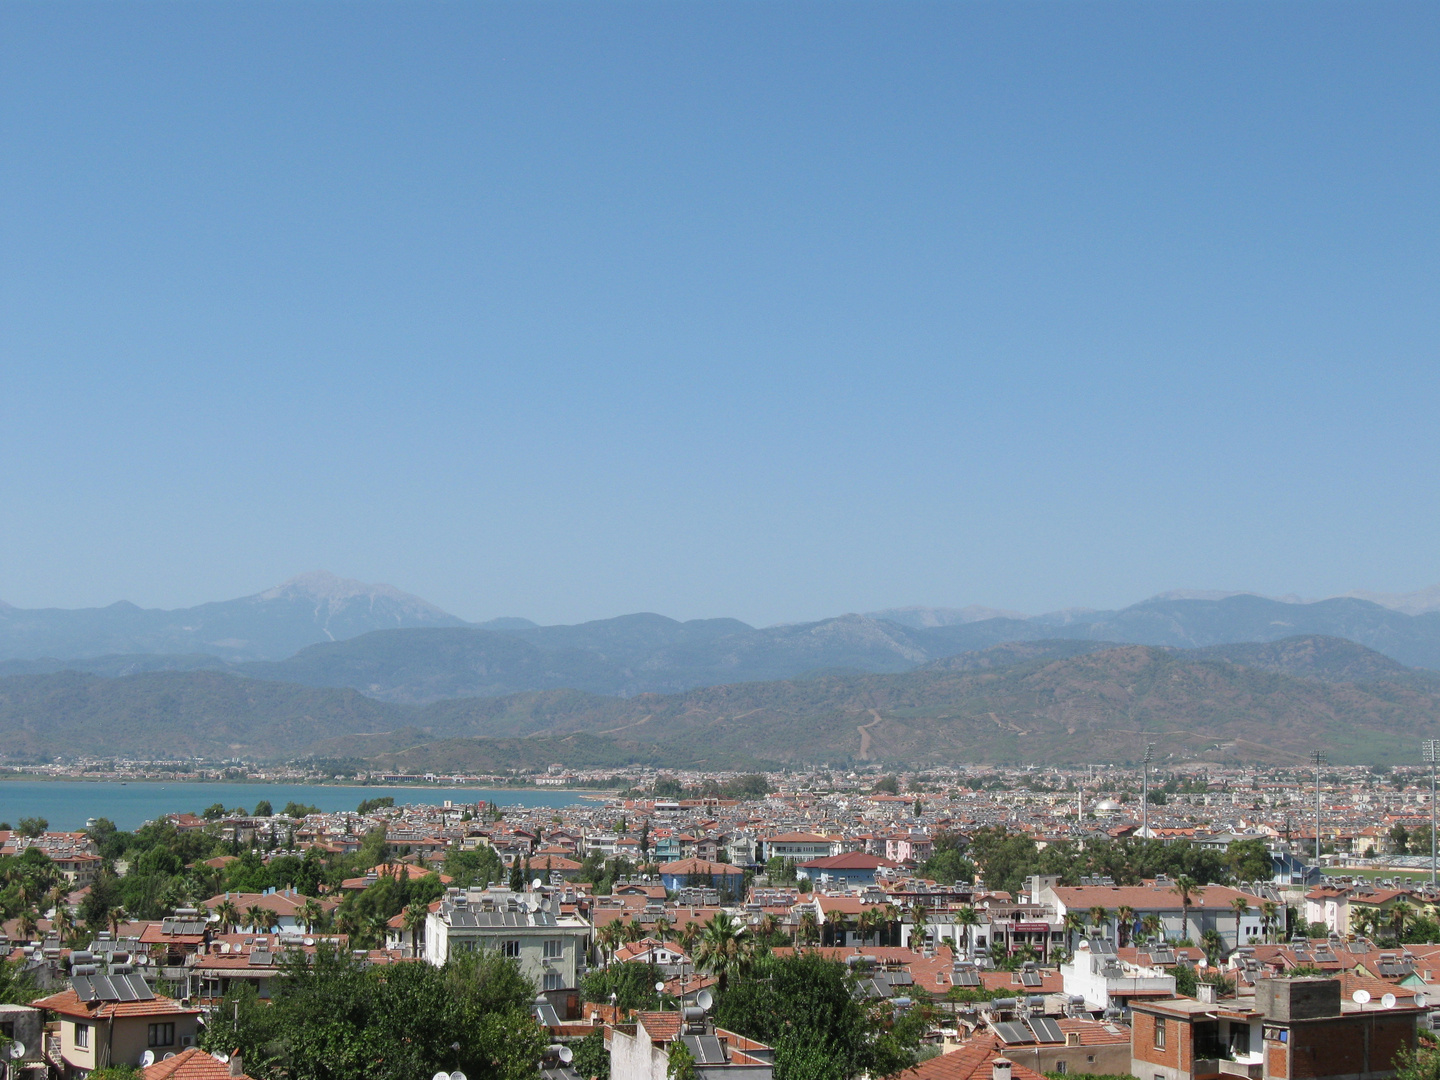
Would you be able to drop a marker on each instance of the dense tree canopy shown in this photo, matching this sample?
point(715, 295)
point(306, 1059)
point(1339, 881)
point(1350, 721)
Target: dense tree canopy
point(805, 1007)
point(338, 1018)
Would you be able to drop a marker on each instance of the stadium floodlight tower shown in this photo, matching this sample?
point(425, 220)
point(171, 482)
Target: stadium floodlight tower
point(1431, 749)
point(1145, 793)
point(1317, 756)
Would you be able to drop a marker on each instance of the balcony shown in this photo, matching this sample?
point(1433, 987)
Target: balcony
point(1251, 1070)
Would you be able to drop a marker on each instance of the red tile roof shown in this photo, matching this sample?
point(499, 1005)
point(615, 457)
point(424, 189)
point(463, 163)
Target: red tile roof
point(68, 1003)
point(971, 1062)
point(191, 1063)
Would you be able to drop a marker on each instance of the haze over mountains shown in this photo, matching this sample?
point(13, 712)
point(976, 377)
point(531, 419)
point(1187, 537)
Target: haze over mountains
point(334, 667)
point(1060, 701)
point(319, 630)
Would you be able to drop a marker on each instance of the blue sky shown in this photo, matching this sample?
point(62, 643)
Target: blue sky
point(764, 310)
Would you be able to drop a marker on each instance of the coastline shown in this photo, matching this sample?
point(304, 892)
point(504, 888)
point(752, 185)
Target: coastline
point(250, 781)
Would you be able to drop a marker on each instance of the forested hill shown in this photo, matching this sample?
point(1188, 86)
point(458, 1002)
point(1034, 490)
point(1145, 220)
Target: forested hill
point(1034, 705)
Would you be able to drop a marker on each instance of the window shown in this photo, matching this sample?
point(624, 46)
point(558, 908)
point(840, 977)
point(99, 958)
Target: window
point(1160, 1033)
point(553, 981)
point(511, 948)
point(554, 948)
point(162, 1034)
point(1062, 1067)
point(82, 1036)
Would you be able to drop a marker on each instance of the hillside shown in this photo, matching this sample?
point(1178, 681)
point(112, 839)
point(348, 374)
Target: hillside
point(1027, 703)
point(325, 632)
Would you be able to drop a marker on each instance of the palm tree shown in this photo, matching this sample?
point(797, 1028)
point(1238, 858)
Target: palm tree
point(1099, 916)
point(1185, 888)
point(920, 921)
point(1074, 923)
point(374, 927)
point(1399, 916)
point(720, 951)
point(1150, 926)
point(1212, 943)
point(29, 924)
point(1124, 920)
point(969, 919)
point(1241, 906)
point(113, 918)
point(64, 924)
point(415, 916)
point(607, 939)
point(868, 923)
point(808, 928)
point(228, 915)
point(258, 918)
point(891, 917)
point(310, 914)
point(1269, 909)
point(765, 927)
point(688, 936)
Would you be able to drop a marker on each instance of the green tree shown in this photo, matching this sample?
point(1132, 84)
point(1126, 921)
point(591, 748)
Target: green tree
point(32, 826)
point(632, 983)
point(1249, 860)
point(263, 809)
point(592, 1060)
point(805, 1006)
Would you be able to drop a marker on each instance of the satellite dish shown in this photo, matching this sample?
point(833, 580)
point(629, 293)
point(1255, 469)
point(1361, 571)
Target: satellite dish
point(309, 941)
point(1361, 997)
point(17, 1049)
point(168, 1056)
point(1388, 1001)
point(147, 1059)
point(1202, 962)
point(441, 1076)
point(224, 1059)
point(566, 1055)
point(705, 999)
point(1421, 1001)
point(536, 883)
point(660, 987)
point(457, 1075)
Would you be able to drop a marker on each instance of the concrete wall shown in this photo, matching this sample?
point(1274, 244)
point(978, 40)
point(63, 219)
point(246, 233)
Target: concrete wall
point(635, 1057)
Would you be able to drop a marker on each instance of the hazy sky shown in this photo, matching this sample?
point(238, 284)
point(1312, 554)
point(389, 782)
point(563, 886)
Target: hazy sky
point(758, 309)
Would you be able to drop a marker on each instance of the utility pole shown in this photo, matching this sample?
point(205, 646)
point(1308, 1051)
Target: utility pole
point(1318, 756)
point(1431, 748)
point(1145, 795)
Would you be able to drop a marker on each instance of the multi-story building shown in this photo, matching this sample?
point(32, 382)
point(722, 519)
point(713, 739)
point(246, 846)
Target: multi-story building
point(526, 927)
point(114, 1020)
point(1296, 1028)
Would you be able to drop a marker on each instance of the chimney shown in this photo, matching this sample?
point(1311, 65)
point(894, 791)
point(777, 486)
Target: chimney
point(1205, 992)
point(237, 1065)
point(1000, 1069)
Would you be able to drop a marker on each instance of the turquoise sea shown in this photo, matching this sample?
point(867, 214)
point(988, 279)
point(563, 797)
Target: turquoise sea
point(66, 804)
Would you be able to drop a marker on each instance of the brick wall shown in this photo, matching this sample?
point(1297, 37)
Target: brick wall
point(1177, 1053)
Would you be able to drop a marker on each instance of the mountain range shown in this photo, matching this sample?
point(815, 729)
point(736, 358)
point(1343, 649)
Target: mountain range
point(323, 631)
point(1060, 701)
point(323, 665)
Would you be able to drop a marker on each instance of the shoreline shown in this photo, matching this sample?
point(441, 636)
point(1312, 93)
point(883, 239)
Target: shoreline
point(357, 784)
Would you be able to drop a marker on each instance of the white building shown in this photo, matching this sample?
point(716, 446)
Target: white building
point(526, 927)
point(1105, 981)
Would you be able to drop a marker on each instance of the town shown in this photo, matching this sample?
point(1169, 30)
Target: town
point(1180, 922)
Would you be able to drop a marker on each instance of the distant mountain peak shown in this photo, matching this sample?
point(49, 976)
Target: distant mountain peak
point(1412, 603)
point(921, 617)
point(323, 587)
